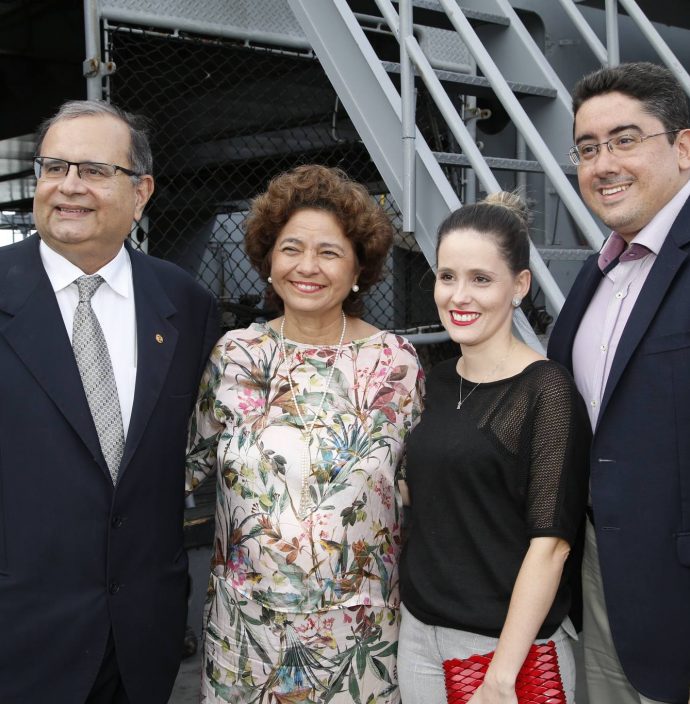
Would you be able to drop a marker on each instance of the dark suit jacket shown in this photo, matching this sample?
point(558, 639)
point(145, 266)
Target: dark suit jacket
point(640, 469)
point(78, 556)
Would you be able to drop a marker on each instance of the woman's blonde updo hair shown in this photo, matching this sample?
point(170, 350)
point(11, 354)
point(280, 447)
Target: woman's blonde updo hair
point(363, 221)
point(503, 216)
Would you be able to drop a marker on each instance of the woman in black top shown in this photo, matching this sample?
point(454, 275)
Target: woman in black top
point(497, 474)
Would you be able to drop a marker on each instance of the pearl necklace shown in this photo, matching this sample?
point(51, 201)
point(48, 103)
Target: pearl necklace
point(306, 469)
point(496, 369)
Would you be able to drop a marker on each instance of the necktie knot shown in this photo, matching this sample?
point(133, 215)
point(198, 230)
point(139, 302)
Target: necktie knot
point(88, 285)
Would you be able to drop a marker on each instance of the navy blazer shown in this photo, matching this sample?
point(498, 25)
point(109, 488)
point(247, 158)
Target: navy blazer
point(79, 557)
point(640, 469)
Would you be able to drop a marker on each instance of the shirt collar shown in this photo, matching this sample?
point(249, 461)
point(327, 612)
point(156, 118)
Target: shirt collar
point(117, 273)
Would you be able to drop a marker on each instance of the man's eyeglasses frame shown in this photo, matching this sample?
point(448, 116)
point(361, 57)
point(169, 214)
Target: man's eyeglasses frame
point(615, 145)
point(81, 167)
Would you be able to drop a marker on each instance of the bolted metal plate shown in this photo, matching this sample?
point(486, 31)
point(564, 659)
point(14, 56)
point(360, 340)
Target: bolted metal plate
point(270, 16)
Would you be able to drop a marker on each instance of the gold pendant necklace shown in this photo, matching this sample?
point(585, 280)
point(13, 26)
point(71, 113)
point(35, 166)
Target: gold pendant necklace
point(306, 505)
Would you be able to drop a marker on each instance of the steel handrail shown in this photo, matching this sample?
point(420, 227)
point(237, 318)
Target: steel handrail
point(551, 167)
point(548, 284)
point(610, 56)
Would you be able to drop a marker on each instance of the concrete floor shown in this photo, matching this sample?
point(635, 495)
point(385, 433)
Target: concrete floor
point(187, 685)
point(186, 689)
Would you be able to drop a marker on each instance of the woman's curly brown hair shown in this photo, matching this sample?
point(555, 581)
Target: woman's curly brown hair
point(364, 223)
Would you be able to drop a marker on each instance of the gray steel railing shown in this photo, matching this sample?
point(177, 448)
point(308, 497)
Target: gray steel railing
point(412, 52)
point(610, 55)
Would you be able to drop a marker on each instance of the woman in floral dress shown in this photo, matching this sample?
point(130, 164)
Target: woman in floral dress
point(304, 419)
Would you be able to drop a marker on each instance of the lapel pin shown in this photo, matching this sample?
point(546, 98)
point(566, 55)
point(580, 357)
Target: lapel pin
point(159, 338)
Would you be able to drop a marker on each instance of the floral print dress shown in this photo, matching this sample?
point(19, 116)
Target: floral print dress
point(304, 609)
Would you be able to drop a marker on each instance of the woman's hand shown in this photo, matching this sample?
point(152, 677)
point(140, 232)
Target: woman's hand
point(488, 693)
point(533, 594)
point(404, 492)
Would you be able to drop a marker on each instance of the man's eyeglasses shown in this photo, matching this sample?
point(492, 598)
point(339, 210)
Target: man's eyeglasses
point(48, 169)
point(620, 144)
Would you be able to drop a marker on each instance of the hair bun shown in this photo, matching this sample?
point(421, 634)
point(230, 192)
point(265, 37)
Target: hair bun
point(510, 200)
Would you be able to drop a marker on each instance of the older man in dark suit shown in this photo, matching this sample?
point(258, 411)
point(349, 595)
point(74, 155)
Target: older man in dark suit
point(101, 350)
point(625, 333)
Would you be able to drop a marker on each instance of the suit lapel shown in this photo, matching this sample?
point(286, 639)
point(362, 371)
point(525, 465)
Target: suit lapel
point(156, 342)
point(36, 332)
point(671, 258)
point(568, 322)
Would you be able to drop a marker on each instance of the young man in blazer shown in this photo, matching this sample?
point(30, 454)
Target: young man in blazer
point(93, 572)
point(624, 332)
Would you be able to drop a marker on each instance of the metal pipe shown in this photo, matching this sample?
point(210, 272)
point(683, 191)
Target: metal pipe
point(612, 43)
point(489, 182)
point(427, 338)
point(407, 95)
point(534, 140)
point(450, 114)
point(390, 15)
point(92, 45)
point(150, 19)
point(659, 45)
point(587, 33)
point(313, 16)
point(521, 154)
point(484, 174)
point(470, 179)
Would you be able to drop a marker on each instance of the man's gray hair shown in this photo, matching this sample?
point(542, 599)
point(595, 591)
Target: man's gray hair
point(140, 157)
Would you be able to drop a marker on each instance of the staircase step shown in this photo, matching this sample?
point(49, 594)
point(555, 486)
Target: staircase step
point(573, 254)
point(432, 14)
point(498, 163)
point(425, 8)
point(479, 84)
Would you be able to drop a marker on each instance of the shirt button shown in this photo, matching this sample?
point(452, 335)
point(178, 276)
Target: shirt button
point(113, 587)
point(619, 295)
point(603, 348)
point(593, 403)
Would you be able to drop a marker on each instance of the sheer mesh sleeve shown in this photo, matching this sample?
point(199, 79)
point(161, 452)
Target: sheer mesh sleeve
point(558, 476)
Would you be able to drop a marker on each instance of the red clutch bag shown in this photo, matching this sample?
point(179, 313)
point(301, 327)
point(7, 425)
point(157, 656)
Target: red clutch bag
point(538, 682)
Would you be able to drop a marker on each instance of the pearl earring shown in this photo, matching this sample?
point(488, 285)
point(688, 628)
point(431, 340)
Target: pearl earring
point(516, 301)
point(355, 288)
point(270, 280)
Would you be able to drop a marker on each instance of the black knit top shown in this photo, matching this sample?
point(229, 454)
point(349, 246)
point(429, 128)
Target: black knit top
point(510, 465)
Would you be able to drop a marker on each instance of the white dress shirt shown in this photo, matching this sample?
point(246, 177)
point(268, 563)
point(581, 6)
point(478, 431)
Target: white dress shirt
point(113, 304)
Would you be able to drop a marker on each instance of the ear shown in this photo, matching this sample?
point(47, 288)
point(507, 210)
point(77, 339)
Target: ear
point(142, 192)
point(683, 144)
point(523, 281)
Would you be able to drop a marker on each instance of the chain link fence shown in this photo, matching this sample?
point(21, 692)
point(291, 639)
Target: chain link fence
point(225, 118)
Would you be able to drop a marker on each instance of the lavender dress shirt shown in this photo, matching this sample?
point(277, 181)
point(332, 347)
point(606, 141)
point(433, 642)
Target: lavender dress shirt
point(603, 323)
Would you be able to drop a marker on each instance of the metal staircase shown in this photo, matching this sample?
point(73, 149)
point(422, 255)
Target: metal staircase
point(448, 97)
point(464, 48)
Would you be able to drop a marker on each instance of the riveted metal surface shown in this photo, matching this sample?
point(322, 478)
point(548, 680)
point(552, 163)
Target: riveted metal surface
point(445, 49)
point(269, 16)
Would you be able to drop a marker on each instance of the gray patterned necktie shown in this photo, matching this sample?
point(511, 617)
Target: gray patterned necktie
point(96, 370)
